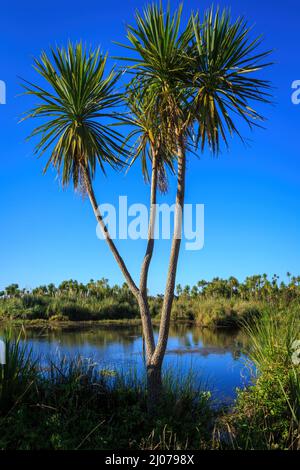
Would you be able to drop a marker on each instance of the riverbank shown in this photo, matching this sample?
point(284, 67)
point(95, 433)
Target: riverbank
point(67, 324)
point(78, 325)
point(219, 354)
point(266, 415)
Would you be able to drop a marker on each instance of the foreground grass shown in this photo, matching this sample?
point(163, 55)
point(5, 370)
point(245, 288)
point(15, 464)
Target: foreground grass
point(267, 414)
point(74, 405)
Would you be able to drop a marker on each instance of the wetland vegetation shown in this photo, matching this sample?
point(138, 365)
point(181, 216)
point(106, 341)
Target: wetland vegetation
point(215, 303)
point(52, 396)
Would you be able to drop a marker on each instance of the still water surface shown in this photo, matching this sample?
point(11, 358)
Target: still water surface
point(216, 357)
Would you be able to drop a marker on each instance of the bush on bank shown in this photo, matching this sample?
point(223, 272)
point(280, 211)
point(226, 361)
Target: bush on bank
point(207, 313)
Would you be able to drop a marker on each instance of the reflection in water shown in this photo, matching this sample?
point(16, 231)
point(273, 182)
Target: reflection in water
point(216, 357)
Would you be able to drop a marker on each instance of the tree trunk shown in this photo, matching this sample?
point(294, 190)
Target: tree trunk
point(143, 295)
point(154, 388)
point(154, 355)
point(160, 349)
point(154, 378)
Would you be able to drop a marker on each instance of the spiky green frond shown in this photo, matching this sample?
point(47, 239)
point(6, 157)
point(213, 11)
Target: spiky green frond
point(203, 78)
point(161, 61)
point(224, 63)
point(159, 43)
point(147, 132)
point(75, 105)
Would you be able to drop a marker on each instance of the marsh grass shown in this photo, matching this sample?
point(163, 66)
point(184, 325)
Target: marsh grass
point(38, 307)
point(210, 312)
point(217, 312)
point(70, 403)
point(266, 415)
point(18, 373)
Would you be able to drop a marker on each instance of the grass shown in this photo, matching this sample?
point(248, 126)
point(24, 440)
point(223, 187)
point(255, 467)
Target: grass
point(267, 414)
point(17, 375)
point(218, 312)
point(36, 307)
point(72, 404)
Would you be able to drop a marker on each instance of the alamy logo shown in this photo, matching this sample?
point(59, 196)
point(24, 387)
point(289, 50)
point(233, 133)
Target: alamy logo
point(2, 92)
point(2, 352)
point(131, 222)
point(296, 93)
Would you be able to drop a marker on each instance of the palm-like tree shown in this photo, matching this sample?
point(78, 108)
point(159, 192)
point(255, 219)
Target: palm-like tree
point(76, 108)
point(188, 88)
point(201, 80)
point(161, 65)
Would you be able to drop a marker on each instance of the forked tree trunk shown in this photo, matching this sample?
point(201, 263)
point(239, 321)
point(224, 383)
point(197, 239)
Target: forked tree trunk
point(154, 354)
point(155, 367)
point(154, 379)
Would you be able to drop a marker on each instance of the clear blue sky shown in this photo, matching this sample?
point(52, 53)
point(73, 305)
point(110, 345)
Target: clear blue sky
point(251, 195)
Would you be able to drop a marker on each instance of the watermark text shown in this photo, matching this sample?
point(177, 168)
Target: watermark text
point(2, 92)
point(132, 222)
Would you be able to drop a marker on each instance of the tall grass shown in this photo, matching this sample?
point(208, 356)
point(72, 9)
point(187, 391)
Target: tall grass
point(18, 373)
point(204, 311)
point(73, 403)
point(267, 414)
point(272, 336)
point(217, 312)
point(32, 307)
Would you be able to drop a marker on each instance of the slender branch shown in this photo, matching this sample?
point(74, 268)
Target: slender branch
point(143, 304)
point(134, 289)
point(151, 227)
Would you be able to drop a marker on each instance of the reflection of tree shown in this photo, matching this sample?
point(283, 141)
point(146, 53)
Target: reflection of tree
point(188, 337)
point(224, 340)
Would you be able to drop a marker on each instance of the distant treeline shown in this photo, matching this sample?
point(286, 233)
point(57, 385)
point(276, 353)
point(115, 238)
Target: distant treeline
point(257, 287)
point(217, 302)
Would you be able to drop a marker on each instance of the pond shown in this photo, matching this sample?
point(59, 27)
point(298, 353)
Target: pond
point(216, 358)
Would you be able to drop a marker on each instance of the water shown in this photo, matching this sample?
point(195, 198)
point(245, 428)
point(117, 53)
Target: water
point(215, 357)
